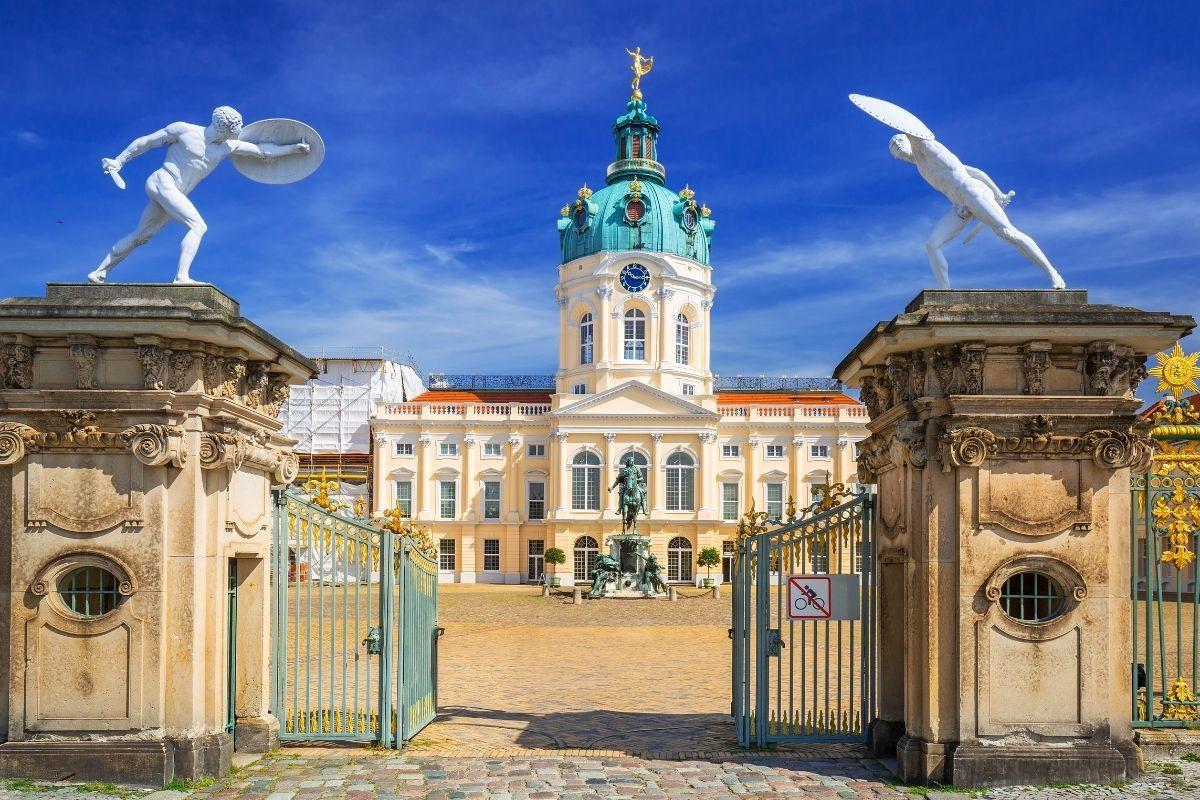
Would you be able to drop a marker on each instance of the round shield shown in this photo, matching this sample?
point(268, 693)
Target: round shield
point(280, 169)
point(893, 116)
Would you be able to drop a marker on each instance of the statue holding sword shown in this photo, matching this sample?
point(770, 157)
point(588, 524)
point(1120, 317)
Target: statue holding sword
point(971, 191)
point(194, 151)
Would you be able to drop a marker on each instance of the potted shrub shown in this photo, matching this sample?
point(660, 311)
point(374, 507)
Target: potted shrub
point(556, 556)
point(709, 557)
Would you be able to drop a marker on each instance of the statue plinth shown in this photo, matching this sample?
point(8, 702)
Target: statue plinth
point(1004, 428)
point(138, 443)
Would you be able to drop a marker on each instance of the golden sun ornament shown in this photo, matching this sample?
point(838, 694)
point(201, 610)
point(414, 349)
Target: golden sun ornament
point(1176, 372)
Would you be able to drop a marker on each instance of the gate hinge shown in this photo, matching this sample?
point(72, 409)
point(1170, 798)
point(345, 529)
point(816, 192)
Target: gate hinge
point(775, 643)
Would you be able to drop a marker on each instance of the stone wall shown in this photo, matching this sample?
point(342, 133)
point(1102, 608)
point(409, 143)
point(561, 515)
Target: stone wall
point(138, 446)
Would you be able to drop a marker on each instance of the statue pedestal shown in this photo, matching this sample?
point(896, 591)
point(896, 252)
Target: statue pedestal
point(138, 445)
point(630, 551)
point(1003, 430)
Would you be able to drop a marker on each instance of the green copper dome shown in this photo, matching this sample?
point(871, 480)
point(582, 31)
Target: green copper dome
point(635, 210)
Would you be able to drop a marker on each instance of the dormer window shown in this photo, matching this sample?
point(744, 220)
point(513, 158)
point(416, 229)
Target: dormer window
point(635, 209)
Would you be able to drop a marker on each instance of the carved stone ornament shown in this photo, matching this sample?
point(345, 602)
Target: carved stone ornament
point(870, 397)
point(874, 458)
point(916, 375)
point(47, 577)
point(154, 445)
point(234, 450)
point(278, 393)
point(1074, 592)
point(895, 379)
point(155, 366)
point(233, 373)
point(946, 362)
point(1034, 365)
point(971, 361)
point(258, 379)
point(85, 355)
point(16, 366)
point(971, 446)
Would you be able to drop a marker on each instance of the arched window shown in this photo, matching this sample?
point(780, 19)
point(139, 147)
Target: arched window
point(584, 562)
point(585, 482)
point(681, 482)
point(585, 339)
point(679, 559)
point(635, 335)
point(682, 336)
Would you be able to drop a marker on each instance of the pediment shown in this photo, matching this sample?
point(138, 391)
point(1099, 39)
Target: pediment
point(635, 399)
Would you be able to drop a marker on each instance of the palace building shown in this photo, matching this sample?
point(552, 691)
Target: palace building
point(502, 469)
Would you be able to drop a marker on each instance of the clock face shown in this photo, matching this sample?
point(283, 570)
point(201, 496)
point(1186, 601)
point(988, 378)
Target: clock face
point(635, 277)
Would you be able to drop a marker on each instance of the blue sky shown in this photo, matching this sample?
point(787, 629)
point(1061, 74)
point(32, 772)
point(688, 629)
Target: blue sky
point(455, 131)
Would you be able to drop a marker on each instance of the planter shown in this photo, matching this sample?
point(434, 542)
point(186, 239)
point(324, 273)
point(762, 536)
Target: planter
point(709, 583)
point(555, 581)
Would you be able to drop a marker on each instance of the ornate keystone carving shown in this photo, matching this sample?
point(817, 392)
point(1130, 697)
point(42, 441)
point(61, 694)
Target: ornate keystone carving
point(895, 379)
point(916, 375)
point(278, 393)
point(180, 365)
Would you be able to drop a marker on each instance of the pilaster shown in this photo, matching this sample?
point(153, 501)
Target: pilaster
point(1003, 428)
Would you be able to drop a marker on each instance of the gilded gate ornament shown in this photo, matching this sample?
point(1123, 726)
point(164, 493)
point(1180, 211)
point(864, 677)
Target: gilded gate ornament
point(1176, 372)
point(1177, 517)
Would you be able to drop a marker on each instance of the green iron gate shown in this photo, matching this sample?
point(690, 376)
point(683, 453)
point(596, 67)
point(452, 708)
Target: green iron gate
point(804, 680)
point(355, 626)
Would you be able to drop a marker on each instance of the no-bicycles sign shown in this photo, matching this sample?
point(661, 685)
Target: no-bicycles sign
point(815, 597)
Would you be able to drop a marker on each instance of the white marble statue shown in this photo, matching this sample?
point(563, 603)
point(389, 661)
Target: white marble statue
point(971, 192)
point(193, 151)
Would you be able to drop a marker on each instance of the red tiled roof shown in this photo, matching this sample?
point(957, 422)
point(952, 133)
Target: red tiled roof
point(785, 398)
point(502, 396)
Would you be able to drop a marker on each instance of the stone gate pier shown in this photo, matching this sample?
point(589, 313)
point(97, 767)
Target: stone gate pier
point(138, 446)
point(1003, 430)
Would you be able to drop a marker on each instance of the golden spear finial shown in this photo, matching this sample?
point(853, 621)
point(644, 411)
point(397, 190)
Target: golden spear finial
point(641, 66)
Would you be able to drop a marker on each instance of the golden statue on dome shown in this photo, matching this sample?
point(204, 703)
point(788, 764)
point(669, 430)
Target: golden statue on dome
point(641, 66)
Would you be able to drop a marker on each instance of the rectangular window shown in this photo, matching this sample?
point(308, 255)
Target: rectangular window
point(585, 339)
point(447, 449)
point(818, 451)
point(449, 500)
point(682, 334)
point(818, 556)
point(585, 488)
point(404, 497)
point(493, 449)
point(681, 489)
point(537, 500)
point(404, 448)
point(774, 501)
point(689, 389)
point(729, 502)
point(491, 555)
point(579, 388)
point(491, 499)
point(537, 560)
point(730, 451)
point(774, 451)
point(536, 451)
point(635, 336)
point(446, 555)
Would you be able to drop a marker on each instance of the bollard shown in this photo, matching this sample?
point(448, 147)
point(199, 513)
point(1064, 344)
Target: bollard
point(672, 594)
point(716, 591)
point(576, 595)
point(545, 590)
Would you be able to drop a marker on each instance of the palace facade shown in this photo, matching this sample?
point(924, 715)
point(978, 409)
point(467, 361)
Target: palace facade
point(504, 468)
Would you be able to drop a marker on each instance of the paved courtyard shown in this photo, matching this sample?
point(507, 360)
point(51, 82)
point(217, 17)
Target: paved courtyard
point(540, 698)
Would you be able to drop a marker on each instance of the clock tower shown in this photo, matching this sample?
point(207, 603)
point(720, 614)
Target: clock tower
point(634, 284)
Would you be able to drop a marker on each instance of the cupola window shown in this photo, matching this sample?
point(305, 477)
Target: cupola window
point(635, 335)
point(635, 210)
point(635, 148)
point(585, 339)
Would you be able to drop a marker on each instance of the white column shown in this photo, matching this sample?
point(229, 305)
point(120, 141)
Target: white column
point(658, 478)
point(608, 475)
point(424, 485)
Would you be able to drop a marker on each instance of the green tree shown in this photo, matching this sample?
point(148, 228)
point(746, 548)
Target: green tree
point(555, 556)
point(709, 557)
